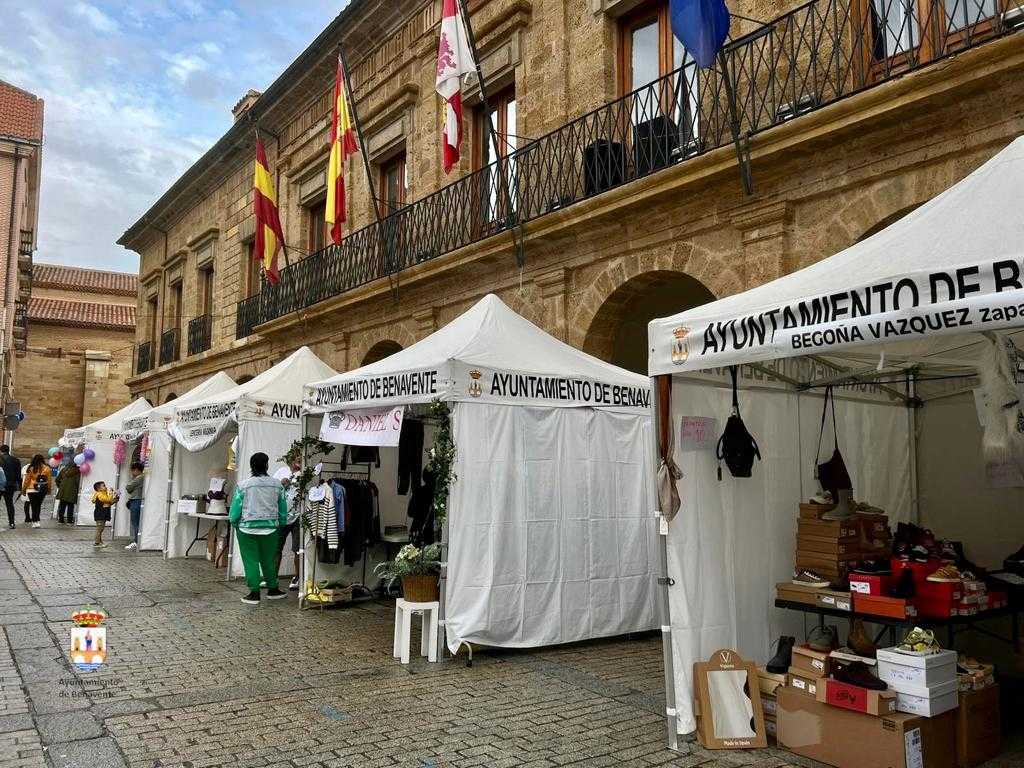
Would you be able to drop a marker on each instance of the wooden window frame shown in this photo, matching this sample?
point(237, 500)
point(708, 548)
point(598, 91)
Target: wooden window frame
point(204, 305)
point(398, 163)
point(176, 292)
point(654, 11)
point(153, 309)
point(499, 103)
point(251, 281)
point(315, 214)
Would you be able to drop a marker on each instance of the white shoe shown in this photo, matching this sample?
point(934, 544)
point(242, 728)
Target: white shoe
point(37, 525)
point(263, 585)
point(294, 585)
point(131, 546)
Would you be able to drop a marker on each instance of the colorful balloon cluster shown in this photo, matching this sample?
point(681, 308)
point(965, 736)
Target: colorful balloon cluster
point(56, 456)
point(82, 461)
point(120, 450)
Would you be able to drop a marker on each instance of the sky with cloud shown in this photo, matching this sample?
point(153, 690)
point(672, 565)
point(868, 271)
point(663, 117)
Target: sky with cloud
point(135, 92)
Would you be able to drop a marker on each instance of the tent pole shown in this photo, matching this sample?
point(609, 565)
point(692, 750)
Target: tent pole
point(304, 430)
point(664, 582)
point(168, 501)
point(915, 498)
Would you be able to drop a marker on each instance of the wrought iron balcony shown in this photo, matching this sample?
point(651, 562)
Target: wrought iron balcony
point(809, 58)
point(25, 243)
point(144, 358)
point(199, 334)
point(170, 346)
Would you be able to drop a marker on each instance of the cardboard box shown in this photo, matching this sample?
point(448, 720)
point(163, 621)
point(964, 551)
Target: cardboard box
point(769, 681)
point(814, 511)
point(926, 701)
point(892, 607)
point(855, 698)
point(810, 662)
point(940, 609)
point(848, 739)
point(871, 584)
point(837, 601)
point(806, 684)
point(826, 546)
point(796, 593)
point(768, 705)
point(898, 669)
point(837, 530)
point(191, 506)
point(978, 731)
point(835, 570)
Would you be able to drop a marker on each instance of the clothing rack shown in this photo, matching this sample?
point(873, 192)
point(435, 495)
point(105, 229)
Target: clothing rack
point(354, 472)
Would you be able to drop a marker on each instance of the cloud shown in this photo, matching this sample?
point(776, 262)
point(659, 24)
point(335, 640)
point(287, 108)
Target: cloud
point(135, 93)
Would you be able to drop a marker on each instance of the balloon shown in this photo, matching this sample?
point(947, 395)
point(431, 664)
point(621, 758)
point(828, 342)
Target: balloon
point(54, 463)
point(85, 469)
point(80, 459)
point(59, 456)
point(53, 452)
point(21, 415)
point(89, 454)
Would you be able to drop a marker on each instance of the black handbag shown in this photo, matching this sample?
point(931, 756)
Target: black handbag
point(832, 474)
point(737, 447)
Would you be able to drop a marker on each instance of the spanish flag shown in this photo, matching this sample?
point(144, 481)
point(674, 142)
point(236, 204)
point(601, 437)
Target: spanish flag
point(269, 236)
point(343, 144)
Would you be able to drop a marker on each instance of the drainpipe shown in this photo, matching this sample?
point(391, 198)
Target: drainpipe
point(12, 256)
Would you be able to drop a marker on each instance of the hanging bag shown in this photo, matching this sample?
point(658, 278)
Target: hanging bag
point(832, 474)
point(737, 447)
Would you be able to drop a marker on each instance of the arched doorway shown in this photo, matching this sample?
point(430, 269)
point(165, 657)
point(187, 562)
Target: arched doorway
point(618, 333)
point(888, 220)
point(379, 351)
point(244, 379)
point(170, 396)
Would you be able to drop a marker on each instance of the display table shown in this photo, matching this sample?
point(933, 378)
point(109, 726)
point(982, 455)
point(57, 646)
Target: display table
point(216, 521)
point(950, 624)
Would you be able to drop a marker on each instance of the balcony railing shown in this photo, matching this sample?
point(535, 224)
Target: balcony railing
point(199, 334)
point(170, 346)
point(25, 243)
point(808, 58)
point(144, 358)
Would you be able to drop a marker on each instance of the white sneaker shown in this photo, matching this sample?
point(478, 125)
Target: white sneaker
point(131, 546)
point(37, 525)
point(294, 585)
point(263, 585)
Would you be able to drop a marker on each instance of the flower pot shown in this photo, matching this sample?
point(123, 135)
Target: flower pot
point(421, 588)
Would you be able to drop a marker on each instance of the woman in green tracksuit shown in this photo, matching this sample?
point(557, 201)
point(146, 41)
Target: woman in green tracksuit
point(258, 510)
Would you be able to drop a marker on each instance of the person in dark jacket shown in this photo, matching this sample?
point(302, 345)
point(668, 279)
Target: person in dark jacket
point(12, 472)
point(68, 485)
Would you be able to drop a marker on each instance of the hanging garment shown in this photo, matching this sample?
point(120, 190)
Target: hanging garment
point(338, 491)
point(410, 454)
point(362, 518)
point(360, 454)
point(831, 474)
point(323, 521)
point(421, 511)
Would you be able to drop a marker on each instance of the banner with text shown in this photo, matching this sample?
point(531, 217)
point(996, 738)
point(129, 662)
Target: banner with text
point(368, 426)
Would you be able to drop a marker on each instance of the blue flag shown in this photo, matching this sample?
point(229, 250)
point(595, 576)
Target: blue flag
point(701, 26)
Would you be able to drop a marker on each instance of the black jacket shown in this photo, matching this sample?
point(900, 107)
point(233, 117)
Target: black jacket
point(12, 469)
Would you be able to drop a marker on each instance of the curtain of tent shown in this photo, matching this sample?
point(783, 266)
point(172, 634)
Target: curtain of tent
point(733, 541)
point(102, 468)
point(551, 534)
point(192, 476)
point(153, 528)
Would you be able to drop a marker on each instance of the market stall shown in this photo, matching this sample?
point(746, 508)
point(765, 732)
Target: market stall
point(916, 314)
point(148, 438)
point(98, 442)
point(549, 531)
point(219, 433)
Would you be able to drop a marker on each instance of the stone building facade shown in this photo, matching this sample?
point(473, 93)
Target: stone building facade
point(78, 357)
point(618, 196)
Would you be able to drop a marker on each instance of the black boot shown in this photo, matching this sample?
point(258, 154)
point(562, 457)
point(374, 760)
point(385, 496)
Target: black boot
point(779, 663)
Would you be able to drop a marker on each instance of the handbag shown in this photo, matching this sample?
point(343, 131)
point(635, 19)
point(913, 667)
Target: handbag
point(737, 447)
point(831, 474)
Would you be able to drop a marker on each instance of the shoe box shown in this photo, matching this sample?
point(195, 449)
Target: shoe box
point(769, 683)
point(977, 679)
point(802, 681)
point(879, 605)
point(847, 739)
point(796, 593)
point(942, 599)
point(855, 698)
point(810, 662)
point(925, 685)
point(877, 584)
point(978, 730)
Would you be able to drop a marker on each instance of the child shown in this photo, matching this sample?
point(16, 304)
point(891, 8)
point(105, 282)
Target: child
point(134, 488)
point(103, 500)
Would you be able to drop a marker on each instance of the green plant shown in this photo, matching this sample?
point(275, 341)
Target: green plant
point(307, 448)
point(410, 561)
point(442, 458)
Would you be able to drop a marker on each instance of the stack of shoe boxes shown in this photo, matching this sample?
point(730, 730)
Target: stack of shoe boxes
point(925, 685)
point(807, 670)
point(828, 547)
point(769, 684)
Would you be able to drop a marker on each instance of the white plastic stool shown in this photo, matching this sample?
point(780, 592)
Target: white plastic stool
point(403, 626)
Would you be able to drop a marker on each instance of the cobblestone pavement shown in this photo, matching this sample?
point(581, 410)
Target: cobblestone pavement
point(196, 679)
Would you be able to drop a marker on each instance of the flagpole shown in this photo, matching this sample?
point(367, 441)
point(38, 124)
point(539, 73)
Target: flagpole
point(742, 149)
point(471, 38)
point(359, 131)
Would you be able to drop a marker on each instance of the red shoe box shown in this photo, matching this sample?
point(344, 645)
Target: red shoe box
point(921, 570)
point(871, 584)
point(853, 697)
point(951, 591)
point(967, 609)
point(937, 608)
point(893, 607)
point(998, 600)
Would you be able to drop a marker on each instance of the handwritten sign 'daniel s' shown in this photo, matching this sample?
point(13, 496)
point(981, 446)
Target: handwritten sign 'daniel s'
point(367, 426)
point(698, 433)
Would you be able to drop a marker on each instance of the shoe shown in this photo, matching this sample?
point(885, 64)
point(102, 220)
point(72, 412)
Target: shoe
point(873, 567)
point(37, 525)
point(905, 586)
point(263, 585)
point(858, 673)
point(823, 639)
point(294, 585)
point(842, 510)
point(919, 642)
point(132, 546)
point(919, 553)
point(859, 641)
point(253, 598)
point(947, 574)
point(11, 526)
point(779, 663)
point(948, 552)
point(275, 594)
point(808, 578)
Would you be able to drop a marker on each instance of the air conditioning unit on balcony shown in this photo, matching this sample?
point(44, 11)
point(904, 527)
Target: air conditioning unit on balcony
point(790, 109)
point(1013, 18)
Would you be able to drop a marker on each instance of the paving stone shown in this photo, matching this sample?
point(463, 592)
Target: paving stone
point(68, 726)
point(29, 636)
point(11, 723)
point(94, 753)
point(48, 697)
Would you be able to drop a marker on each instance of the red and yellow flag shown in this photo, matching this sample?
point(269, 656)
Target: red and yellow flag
point(269, 237)
point(343, 144)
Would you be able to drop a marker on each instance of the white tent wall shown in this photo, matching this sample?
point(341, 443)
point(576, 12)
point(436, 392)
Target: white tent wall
point(551, 536)
point(733, 541)
point(102, 468)
point(121, 522)
point(192, 476)
point(153, 528)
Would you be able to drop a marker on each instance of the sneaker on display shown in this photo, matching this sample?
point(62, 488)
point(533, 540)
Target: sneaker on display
point(294, 585)
point(823, 639)
point(275, 594)
point(809, 578)
point(873, 567)
point(947, 574)
point(253, 598)
point(858, 673)
point(779, 663)
point(919, 642)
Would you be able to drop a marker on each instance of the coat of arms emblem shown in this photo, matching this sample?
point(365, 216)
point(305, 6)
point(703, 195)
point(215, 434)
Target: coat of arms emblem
point(88, 639)
point(474, 385)
point(680, 345)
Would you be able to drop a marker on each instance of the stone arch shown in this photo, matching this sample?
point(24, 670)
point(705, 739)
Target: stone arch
point(892, 218)
point(379, 351)
point(170, 396)
point(399, 334)
point(244, 379)
point(618, 330)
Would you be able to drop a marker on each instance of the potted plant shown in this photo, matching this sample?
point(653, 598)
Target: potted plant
point(417, 568)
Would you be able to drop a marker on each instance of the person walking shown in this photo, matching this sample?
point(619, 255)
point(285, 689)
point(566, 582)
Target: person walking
point(258, 511)
point(12, 473)
point(69, 479)
point(134, 488)
point(37, 484)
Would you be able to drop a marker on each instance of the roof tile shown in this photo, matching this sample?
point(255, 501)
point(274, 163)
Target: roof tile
point(82, 314)
point(96, 280)
point(21, 113)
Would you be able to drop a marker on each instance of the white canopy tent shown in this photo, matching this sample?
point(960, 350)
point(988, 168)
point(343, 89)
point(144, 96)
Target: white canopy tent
point(153, 425)
point(904, 303)
point(101, 436)
point(262, 415)
point(549, 531)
